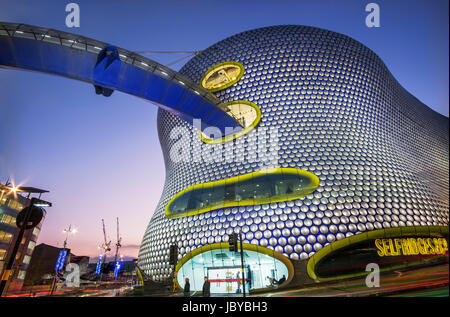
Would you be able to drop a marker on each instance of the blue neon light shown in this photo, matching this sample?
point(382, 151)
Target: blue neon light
point(99, 265)
point(61, 260)
point(117, 268)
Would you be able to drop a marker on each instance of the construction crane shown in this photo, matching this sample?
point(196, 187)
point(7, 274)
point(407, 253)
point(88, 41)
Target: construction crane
point(105, 248)
point(119, 239)
point(106, 245)
point(118, 245)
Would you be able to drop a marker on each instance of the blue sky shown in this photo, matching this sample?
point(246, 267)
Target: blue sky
point(100, 157)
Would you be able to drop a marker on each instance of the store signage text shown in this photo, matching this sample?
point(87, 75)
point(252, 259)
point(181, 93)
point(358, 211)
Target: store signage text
point(411, 246)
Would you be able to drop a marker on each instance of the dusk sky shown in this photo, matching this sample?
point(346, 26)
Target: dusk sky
point(100, 157)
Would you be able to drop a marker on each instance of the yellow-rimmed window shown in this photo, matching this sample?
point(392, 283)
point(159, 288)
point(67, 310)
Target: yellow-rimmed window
point(222, 75)
point(261, 187)
point(246, 113)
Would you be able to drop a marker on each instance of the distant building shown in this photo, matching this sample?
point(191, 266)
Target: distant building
point(82, 261)
point(43, 262)
point(11, 203)
point(129, 268)
point(126, 271)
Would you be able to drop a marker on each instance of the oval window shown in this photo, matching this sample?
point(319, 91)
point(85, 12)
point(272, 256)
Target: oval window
point(261, 187)
point(245, 112)
point(222, 76)
point(264, 268)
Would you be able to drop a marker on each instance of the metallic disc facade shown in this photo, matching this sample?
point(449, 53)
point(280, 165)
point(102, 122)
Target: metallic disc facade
point(380, 154)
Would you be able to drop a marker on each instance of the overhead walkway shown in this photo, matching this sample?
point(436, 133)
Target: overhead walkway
point(110, 68)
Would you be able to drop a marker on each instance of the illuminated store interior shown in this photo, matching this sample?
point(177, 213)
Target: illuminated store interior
point(223, 269)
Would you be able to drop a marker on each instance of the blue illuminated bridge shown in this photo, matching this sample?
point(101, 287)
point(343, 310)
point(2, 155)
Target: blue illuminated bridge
point(110, 68)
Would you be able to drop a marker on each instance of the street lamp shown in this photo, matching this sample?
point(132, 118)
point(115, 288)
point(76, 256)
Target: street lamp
point(68, 231)
point(62, 256)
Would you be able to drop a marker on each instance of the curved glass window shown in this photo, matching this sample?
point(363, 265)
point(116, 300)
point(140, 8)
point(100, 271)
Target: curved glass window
point(245, 112)
point(222, 75)
point(352, 260)
point(390, 248)
point(263, 268)
point(261, 187)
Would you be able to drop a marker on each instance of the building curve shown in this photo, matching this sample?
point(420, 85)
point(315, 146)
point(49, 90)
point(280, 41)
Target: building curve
point(380, 154)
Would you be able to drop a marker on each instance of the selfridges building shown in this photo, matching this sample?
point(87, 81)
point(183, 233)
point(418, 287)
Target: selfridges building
point(352, 168)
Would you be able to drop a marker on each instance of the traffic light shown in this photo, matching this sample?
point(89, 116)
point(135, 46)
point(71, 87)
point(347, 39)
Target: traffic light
point(173, 254)
point(233, 241)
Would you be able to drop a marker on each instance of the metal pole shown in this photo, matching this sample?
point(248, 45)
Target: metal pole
point(65, 242)
point(174, 265)
point(101, 266)
point(53, 288)
point(53, 284)
point(67, 235)
point(12, 258)
point(242, 263)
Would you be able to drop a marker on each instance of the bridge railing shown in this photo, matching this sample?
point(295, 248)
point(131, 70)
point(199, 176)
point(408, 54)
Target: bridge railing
point(94, 46)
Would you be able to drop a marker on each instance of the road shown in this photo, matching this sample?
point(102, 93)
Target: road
point(81, 292)
point(428, 281)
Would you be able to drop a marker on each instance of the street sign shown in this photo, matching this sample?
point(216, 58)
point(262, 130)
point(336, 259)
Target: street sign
point(35, 216)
